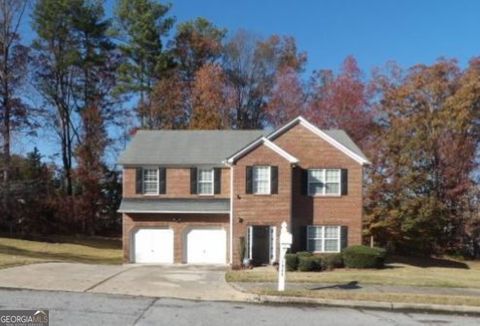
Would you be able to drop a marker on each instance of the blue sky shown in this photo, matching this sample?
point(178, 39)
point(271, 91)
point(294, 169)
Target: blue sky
point(374, 31)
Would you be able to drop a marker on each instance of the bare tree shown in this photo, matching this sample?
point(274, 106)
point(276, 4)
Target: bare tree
point(13, 66)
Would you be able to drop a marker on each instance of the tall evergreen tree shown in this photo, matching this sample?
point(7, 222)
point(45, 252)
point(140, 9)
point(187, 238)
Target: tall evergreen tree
point(140, 27)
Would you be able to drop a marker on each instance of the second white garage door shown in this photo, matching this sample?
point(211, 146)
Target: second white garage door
point(206, 246)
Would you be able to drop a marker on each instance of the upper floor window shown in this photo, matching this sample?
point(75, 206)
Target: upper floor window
point(205, 182)
point(324, 182)
point(150, 181)
point(261, 180)
point(324, 238)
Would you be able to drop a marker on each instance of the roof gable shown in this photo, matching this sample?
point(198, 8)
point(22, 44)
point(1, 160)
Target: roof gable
point(337, 138)
point(258, 142)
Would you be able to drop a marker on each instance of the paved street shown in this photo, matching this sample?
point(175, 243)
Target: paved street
point(70, 308)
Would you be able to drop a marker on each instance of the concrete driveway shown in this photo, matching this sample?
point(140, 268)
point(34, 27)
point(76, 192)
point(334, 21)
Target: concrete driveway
point(172, 281)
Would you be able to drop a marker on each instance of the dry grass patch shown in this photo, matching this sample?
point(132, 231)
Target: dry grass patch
point(15, 252)
point(462, 275)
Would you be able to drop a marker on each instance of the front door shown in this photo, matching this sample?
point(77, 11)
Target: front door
point(260, 245)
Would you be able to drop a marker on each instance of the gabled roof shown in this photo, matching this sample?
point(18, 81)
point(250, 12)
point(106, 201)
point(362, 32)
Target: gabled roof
point(175, 205)
point(186, 147)
point(337, 138)
point(214, 147)
point(266, 142)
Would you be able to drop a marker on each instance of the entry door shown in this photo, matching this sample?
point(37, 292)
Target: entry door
point(153, 246)
point(206, 246)
point(260, 245)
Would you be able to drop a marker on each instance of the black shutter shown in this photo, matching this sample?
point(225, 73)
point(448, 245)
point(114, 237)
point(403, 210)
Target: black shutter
point(162, 174)
point(304, 181)
point(138, 180)
point(249, 180)
point(193, 180)
point(344, 237)
point(303, 238)
point(274, 179)
point(344, 184)
point(217, 173)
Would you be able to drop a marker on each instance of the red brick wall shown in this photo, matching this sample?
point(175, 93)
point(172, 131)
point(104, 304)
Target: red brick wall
point(178, 184)
point(179, 223)
point(314, 152)
point(249, 209)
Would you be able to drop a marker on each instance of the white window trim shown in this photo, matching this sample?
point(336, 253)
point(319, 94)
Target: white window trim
point(143, 181)
point(250, 241)
point(322, 238)
point(269, 192)
point(212, 182)
point(324, 191)
point(273, 240)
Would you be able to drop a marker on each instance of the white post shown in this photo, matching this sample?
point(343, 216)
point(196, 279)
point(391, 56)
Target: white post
point(285, 243)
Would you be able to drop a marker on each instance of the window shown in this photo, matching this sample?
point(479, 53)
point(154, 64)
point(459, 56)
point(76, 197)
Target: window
point(150, 181)
point(261, 180)
point(323, 238)
point(205, 182)
point(324, 182)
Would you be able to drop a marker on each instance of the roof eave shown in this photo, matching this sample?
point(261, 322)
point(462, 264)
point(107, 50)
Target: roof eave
point(132, 211)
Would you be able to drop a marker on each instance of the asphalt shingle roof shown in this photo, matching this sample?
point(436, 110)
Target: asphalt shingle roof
point(200, 147)
point(186, 147)
point(343, 138)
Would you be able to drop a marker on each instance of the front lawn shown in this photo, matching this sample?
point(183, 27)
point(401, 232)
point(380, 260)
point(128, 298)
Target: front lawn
point(408, 272)
point(15, 252)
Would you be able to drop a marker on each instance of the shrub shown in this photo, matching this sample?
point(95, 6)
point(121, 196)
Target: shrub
point(318, 263)
point(304, 254)
point(309, 263)
point(291, 262)
point(332, 261)
point(364, 257)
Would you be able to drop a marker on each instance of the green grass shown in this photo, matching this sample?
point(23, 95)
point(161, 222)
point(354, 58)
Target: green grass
point(408, 272)
point(15, 252)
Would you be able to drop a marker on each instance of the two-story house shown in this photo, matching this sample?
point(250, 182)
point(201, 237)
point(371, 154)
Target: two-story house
point(207, 196)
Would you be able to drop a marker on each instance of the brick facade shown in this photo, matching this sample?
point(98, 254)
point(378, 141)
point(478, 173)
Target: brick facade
point(314, 152)
point(178, 184)
point(250, 209)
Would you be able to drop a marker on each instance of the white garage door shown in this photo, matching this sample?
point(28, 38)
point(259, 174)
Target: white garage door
point(206, 246)
point(153, 246)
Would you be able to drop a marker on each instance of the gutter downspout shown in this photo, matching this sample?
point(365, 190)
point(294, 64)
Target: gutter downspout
point(231, 214)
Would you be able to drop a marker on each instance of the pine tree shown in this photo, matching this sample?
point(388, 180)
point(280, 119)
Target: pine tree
point(141, 25)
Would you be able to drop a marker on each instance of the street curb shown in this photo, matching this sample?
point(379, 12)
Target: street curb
point(455, 309)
